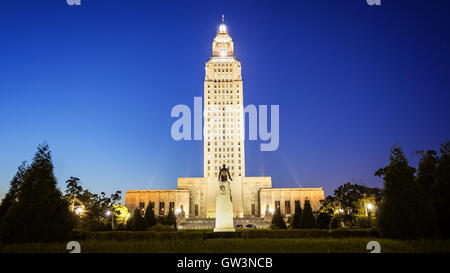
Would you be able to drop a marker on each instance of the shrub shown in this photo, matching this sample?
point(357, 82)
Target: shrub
point(149, 216)
point(323, 220)
point(297, 216)
point(137, 222)
point(308, 233)
point(139, 235)
point(159, 227)
point(336, 222)
point(155, 234)
point(307, 220)
point(277, 220)
point(171, 220)
point(363, 222)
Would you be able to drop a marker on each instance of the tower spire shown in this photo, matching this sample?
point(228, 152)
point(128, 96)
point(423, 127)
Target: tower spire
point(223, 18)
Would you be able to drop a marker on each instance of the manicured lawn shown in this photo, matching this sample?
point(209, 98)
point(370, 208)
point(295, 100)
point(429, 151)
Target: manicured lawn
point(301, 245)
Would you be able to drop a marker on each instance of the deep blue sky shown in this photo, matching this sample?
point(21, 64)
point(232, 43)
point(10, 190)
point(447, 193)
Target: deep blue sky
point(98, 83)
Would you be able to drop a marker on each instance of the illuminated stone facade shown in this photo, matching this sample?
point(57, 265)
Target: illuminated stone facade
point(223, 134)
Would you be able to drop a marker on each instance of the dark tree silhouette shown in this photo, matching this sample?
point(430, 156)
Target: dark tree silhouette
point(41, 214)
point(441, 191)
point(297, 216)
point(307, 220)
point(138, 222)
point(404, 212)
point(277, 220)
point(13, 192)
point(323, 220)
point(171, 220)
point(149, 216)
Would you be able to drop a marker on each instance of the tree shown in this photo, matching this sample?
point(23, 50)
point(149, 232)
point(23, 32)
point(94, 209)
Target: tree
point(73, 187)
point(120, 215)
point(73, 192)
point(336, 221)
point(350, 200)
point(403, 212)
point(171, 220)
point(11, 196)
point(441, 191)
point(277, 220)
point(41, 214)
point(138, 222)
point(297, 216)
point(323, 220)
point(427, 171)
point(307, 220)
point(149, 216)
point(96, 206)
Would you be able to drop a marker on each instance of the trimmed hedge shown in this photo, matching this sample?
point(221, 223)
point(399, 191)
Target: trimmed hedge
point(245, 234)
point(139, 235)
point(309, 233)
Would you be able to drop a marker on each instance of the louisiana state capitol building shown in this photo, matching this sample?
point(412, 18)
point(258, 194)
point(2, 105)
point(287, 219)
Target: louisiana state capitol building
point(194, 200)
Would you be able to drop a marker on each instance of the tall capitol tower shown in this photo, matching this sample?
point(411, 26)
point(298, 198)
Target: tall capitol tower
point(253, 198)
point(223, 109)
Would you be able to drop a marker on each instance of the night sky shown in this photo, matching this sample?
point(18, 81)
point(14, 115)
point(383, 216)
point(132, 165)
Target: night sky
point(98, 82)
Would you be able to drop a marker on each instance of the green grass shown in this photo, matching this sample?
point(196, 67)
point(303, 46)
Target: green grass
point(297, 245)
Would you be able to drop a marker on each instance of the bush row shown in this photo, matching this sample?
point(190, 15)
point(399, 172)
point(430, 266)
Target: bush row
point(138, 235)
point(308, 233)
point(245, 234)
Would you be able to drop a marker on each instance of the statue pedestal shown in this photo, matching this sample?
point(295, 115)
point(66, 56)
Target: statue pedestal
point(224, 211)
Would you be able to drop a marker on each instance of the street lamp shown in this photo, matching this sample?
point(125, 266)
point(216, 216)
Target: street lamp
point(271, 210)
point(108, 213)
point(370, 207)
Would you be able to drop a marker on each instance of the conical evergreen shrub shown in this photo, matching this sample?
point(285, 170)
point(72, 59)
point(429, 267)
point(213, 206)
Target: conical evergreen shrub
point(297, 216)
point(149, 216)
point(277, 220)
point(307, 221)
point(138, 222)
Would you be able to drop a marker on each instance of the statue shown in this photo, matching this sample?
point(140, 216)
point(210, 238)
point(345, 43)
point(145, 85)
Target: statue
point(224, 174)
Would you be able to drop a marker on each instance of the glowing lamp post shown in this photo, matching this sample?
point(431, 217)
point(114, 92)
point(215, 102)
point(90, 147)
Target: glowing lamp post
point(271, 210)
point(370, 207)
point(108, 213)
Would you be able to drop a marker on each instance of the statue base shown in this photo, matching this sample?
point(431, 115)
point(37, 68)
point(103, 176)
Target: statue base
point(224, 230)
point(224, 213)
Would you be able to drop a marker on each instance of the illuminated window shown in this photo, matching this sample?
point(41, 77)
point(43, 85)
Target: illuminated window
point(161, 208)
point(287, 207)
